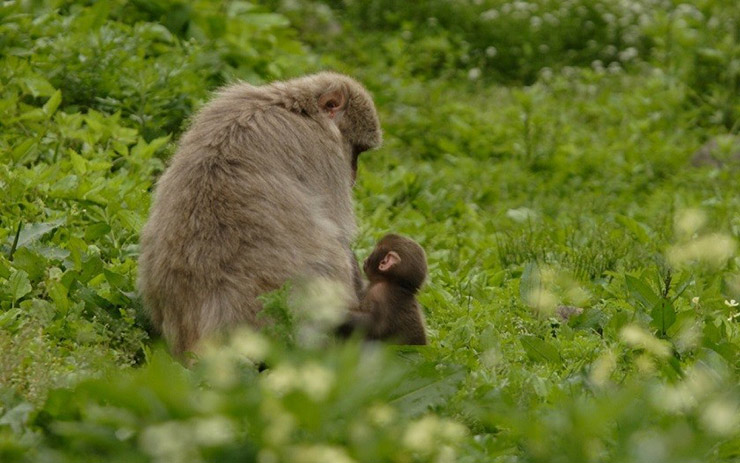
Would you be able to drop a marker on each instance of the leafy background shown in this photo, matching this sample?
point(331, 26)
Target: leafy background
point(547, 154)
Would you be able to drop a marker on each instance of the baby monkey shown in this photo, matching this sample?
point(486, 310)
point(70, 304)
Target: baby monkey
point(396, 269)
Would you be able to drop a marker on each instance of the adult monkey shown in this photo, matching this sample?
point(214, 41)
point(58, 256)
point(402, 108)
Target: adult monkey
point(259, 192)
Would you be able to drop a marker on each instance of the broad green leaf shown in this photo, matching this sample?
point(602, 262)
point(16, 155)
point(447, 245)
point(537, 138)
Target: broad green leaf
point(58, 294)
point(37, 86)
point(131, 220)
point(52, 252)
point(682, 286)
point(6, 318)
point(92, 266)
point(93, 299)
point(592, 318)
point(22, 148)
point(4, 268)
point(36, 114)
point(116, 279)
point(641, 292)
point(18, 285)
point(78, 162)
point(30, 261)
point(663, 315)
point(539, 350)
point(30, 233)
point(426, 388)
point(96, 230)
point(53, 103)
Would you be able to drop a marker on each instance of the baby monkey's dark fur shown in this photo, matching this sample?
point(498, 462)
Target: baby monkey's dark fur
point(396, 269)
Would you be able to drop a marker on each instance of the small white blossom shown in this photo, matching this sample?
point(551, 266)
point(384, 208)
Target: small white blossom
point(628, 53)
point(731, 303)
point(474, 74)
point(489, 15)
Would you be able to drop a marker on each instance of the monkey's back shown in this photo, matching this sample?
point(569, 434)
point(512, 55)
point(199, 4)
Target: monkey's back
point(395, 314)
point(407, 325)
point(252, 198)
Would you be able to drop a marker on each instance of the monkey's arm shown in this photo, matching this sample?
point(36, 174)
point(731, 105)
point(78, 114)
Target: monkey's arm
point(355, 321)
point(357, 280)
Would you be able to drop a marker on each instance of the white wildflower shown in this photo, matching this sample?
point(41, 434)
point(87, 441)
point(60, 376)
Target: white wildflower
point(637, 337)
point(474, 74)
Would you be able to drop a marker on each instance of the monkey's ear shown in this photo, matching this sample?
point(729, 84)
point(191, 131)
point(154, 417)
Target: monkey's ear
point(390, 259)
point(333, 103)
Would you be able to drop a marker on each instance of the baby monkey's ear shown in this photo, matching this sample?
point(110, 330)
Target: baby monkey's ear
point(390, 259)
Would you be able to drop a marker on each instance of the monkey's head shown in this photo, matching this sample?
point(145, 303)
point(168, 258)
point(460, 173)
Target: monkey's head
point(398, 260)
point(350, 108)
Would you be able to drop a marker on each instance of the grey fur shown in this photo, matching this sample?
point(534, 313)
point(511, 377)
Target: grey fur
point(259, 192)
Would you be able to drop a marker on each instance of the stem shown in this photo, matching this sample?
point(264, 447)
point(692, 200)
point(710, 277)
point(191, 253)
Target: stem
point(15, 240)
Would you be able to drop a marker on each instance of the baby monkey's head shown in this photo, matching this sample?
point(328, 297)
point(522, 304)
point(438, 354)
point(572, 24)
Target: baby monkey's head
point(397, 260)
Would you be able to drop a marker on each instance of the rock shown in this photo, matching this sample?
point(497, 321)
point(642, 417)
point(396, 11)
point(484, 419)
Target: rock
point(566, 312)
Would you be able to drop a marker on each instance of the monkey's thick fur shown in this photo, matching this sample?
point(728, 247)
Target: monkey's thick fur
point(259, 192)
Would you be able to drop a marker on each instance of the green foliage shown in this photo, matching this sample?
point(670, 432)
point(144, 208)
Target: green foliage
point(574, 191)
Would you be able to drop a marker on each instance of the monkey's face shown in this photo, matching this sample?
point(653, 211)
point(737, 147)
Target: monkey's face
point(351, 109)
point(356, 151)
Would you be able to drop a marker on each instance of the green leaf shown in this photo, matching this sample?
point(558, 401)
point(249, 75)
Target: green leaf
point(539, 350)
point(427, 387)
point(9, 317)
point(58, 293)
point(96, 230)
point(663, 315)
point(22, 148)
point(131, 220)
point(641, 292)
point(37, 86)
point(4, 268)
point(52, 103)
point(94, 300)
point(52, 252)
point(78, 162)
point(266, 20)
point(638, 229)
point(116, 279)
point(33, 232)
point(92, 266)
point(30, 261)
point(18, 285)
point(682, 286)
point(35, 114)
point(145, 151)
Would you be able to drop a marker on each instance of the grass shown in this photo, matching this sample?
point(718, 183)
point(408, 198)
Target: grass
point(532, 184)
